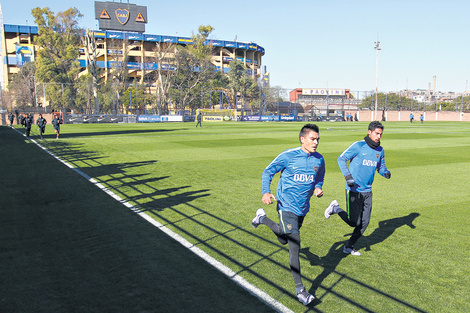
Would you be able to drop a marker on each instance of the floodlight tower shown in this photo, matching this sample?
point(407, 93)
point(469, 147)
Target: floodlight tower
point(377, 48)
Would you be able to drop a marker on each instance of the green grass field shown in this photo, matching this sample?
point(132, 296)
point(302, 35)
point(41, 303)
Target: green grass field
point(204, 184)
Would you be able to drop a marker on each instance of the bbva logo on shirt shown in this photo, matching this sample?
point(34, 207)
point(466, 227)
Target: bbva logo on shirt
point(369, 163)
point(304, 178)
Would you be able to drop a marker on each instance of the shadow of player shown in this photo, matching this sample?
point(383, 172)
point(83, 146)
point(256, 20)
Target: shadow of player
point(335, 254)
point(386, 229)
point(329, 262)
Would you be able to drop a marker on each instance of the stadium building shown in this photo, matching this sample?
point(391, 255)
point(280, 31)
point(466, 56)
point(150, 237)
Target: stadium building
point(325, 101)
point(122, 30)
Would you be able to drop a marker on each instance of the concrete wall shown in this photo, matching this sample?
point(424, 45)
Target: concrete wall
point(405, 116)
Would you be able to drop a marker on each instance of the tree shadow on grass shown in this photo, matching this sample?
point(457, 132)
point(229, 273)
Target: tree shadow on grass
point(169, 200)
point(72, 152)
point(108, 172)
point(137, 188)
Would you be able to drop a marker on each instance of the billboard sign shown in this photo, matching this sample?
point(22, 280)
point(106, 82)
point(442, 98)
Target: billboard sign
point(323, 92)
point(24, 54)
point(121, 16)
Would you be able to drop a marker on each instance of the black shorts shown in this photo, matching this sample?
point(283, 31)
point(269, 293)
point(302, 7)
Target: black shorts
point(290, 222)
point(359, 206)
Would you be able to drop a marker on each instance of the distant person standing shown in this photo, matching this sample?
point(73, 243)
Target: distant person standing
point(421, 118)
point(41, 122)
point(412, 117)
point(365, 157)
point(56, 123)
point(11, 117)
point(199, 119)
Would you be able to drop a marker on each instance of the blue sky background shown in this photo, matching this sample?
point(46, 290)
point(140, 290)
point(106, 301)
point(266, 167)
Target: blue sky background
point(318, 43)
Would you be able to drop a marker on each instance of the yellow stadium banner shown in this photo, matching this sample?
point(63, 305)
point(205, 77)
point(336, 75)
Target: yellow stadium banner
point(217, 115)
point(213, 118)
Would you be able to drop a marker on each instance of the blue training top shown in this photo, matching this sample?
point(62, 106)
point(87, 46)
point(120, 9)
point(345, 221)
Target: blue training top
point(364, 161)
point(301, 173)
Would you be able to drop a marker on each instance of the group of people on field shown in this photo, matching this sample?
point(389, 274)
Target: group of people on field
point(350, 117)
point(27, 121)
point(412, 117)
point(302, 173)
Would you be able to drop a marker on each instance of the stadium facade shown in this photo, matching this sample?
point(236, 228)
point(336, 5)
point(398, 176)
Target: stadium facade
point(121, 38)
point(18, 48)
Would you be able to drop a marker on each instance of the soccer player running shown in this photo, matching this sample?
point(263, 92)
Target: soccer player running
point(302, 173)
point(365, 157)
point(41, 122)
point(56, 123)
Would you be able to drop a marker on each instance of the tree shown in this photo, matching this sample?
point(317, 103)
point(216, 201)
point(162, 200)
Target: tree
point(240, 82)
point(133, 98)
point(389, 101)
point(89, 42)
point(58, 41)
point(22, 85)
point(459, 104)
point(194, 70)
point(162, 53)
point(273, 96)
point(119, 69)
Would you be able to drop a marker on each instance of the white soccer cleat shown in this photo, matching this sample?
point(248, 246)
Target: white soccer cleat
point(305, 297)
point(330, 210)
point(351, 251)
point(256, 221)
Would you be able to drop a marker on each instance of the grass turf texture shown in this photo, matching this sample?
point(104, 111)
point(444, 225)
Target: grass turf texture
point(204, 184)
point(66, 246)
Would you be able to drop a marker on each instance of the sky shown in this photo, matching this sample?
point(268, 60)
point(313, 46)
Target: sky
point(318, 43)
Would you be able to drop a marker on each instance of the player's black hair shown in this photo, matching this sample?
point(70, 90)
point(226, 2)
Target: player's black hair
point(375, 124)
point(307, 128)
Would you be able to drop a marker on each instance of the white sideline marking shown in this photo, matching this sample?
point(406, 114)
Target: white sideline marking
point(218, 265)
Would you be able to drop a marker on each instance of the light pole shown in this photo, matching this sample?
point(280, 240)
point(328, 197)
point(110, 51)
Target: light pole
point(377, 48)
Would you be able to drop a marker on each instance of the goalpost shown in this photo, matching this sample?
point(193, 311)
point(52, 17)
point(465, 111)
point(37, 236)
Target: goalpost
point(217, 115)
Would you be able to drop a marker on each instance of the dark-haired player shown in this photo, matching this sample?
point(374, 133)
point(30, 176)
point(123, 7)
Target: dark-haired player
point(302, 173)
point(365, 158)
point(41, 122)
point(56, 123)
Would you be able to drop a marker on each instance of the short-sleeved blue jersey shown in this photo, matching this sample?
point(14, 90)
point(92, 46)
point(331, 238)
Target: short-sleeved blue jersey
point(364, 161)
point(301, 173)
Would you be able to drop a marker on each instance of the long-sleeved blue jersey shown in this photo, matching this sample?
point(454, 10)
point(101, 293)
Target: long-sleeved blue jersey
point(301, 173)
point(364, 161)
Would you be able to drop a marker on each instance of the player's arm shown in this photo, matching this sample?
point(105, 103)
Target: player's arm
point(382, 168)
point(276, 165)
point(319, 178)
point(343, 159)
